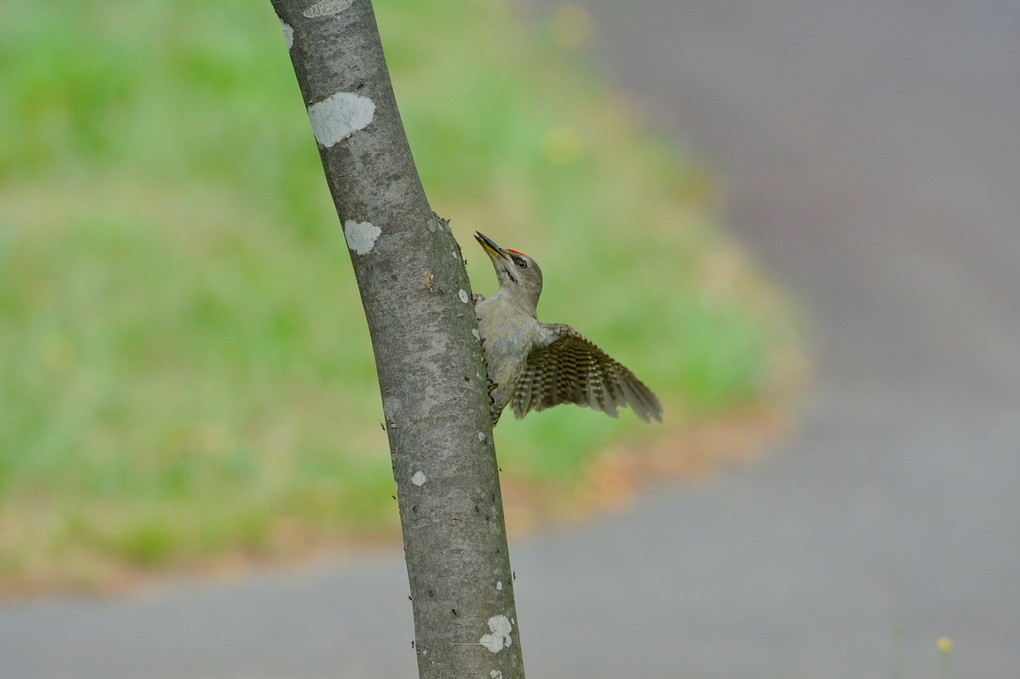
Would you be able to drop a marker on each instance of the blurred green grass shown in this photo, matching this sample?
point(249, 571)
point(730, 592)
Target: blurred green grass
point(184, 365)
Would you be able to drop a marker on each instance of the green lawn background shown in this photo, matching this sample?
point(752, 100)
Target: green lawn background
point(184, 364)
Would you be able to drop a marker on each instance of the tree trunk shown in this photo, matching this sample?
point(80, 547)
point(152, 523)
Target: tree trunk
point(417, 300)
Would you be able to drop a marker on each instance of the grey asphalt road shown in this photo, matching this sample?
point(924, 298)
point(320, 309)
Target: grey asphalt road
point(872, 154)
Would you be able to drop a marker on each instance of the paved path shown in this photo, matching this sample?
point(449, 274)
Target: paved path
point(873, 155)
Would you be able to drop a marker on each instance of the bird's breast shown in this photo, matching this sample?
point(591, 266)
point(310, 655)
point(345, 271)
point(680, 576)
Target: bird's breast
point(508, 335)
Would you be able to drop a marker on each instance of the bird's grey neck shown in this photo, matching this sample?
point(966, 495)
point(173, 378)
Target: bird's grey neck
point(519, 298)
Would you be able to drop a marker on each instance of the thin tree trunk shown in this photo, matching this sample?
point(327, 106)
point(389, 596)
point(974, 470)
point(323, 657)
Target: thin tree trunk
point(417, 300)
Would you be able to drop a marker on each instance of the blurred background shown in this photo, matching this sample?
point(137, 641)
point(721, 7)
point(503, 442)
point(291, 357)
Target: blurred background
point(186, 385)
point(187, 376)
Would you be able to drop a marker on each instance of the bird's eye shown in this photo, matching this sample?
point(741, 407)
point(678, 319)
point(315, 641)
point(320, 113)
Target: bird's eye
point(521, 264)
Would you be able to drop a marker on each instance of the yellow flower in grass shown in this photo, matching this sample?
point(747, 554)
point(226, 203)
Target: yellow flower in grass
point(562, 146)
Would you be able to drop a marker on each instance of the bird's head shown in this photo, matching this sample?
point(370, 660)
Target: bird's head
point(518, 274)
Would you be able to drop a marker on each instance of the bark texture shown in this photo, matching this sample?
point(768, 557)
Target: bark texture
point(417, 301)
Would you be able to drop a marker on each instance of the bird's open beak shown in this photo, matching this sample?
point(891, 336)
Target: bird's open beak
point(490, 247)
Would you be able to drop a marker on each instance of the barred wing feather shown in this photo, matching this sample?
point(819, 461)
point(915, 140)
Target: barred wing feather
point(572, 369)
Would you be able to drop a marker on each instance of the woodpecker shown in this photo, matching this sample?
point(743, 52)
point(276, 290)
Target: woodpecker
point(539, 365)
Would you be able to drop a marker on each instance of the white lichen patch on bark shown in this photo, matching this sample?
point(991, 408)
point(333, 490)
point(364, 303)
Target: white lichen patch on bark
point(288, 34)
point(474, 331)
point(327, 8)
point(496, 674)
point(499, 636)
point(463, 296)
point(339, 116)
point(419, 478)
point(361, 236)
point(481, 436)
point(499, 585)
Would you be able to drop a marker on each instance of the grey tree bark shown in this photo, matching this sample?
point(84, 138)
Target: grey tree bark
point(417, 301)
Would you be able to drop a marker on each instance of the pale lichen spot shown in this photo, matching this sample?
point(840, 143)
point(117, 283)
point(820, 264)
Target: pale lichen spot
point(499, 634)
point(499, 585)
point(288, 34)
point(339, 116)
point(327, 8)
point(474, 332)
point(496, 674)
point(361, 236)
point(419, 478)
point(463, 296)
point(481, 436)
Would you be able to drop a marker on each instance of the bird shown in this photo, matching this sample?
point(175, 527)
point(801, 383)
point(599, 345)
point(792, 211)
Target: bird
point(534, 365)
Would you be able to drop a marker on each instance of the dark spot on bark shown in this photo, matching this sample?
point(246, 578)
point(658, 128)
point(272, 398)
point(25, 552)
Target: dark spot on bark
point(414, 509)
point(466, 378)
point(454, 611)
point(477, 510)
point(432, 595)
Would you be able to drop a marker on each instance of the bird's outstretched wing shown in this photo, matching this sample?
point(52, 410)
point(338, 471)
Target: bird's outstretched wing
point(568, 368)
